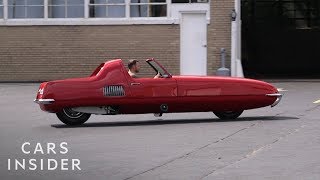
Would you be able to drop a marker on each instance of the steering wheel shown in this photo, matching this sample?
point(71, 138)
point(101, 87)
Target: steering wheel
point(160, 75)
point(158, 72)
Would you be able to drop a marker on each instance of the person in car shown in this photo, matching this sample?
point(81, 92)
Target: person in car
point(134, 68)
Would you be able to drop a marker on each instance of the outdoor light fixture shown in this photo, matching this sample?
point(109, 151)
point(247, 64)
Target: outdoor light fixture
point(233, 15)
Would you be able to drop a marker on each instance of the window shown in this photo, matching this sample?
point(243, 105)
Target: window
point(148, 8)
point(84, 8)
point(25, 9)
point(107, 8)
point(94, 12)
point(65, 8)
point(189, 1)
point(1, 9)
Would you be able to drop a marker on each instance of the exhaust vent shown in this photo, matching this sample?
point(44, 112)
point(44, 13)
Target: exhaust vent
point(113, 90)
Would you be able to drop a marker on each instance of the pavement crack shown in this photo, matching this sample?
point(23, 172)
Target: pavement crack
point(313, 108)
point(255, 151)
point(193, 151)
point(280, 113)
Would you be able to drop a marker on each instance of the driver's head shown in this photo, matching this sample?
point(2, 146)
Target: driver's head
point(133, 65)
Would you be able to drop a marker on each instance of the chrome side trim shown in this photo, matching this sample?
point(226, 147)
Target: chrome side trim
point(135, 84)
point(44, 101)
point(276, 102)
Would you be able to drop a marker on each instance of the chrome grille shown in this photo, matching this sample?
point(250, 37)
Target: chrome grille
point(113, 90)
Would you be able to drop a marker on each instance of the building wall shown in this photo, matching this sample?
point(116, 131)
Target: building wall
point(38, 53)
point(219, 33)
point(41, 53)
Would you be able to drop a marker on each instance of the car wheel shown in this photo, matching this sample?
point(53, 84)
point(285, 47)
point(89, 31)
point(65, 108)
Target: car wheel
point(71, 117)
point(228, 114)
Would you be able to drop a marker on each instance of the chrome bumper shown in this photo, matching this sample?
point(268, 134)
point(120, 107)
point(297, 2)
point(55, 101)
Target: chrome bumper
point(279, 96)
point(44, 101)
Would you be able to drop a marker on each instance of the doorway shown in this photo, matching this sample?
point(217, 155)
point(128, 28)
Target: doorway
point(281, 38)
point(193, 43)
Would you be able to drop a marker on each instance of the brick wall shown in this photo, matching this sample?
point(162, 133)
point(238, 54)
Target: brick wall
point(219, 33)
point(40, 53)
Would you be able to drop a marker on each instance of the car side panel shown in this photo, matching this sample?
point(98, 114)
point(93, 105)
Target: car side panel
point(222, 94)
point(86, 91)
point(180, 93)
point(153, 88)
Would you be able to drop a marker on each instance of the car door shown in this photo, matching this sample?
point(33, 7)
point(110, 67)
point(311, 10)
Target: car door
point(153, 88)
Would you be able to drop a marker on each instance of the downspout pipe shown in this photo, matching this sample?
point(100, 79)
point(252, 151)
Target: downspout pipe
point(236, 66)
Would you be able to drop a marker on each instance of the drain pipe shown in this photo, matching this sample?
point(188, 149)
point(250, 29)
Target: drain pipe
point(236, 66)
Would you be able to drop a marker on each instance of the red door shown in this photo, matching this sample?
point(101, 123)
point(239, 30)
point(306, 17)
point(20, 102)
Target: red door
point(153, 88)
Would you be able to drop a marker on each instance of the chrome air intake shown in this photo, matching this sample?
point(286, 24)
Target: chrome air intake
point(113, 90)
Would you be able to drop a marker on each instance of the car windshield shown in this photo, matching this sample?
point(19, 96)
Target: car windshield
point(157, 68)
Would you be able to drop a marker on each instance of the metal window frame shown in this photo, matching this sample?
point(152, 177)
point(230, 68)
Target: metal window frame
point(86, 20)
point(190, 1)
point(150, 4)
point(65, 5)
point(124, 3)
point(65, 11)
point(2, 6)
point(25, 6)
point(107, 5)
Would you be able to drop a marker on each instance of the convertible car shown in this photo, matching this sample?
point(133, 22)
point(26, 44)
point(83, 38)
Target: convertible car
point(110, 90)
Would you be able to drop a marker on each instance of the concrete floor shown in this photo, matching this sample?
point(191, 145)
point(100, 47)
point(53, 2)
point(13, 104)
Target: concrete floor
point(268, 143)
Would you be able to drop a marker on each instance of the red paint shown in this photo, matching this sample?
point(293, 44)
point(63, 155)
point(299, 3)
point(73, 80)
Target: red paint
point(145, 95)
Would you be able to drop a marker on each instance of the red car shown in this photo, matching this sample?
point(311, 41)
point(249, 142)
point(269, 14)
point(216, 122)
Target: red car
point(111, 90)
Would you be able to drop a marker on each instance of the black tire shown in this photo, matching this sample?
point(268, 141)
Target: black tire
point(72, 118)
point(228, 114)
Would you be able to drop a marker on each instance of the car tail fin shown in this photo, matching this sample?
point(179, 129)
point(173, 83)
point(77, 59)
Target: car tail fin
point(41, 90)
